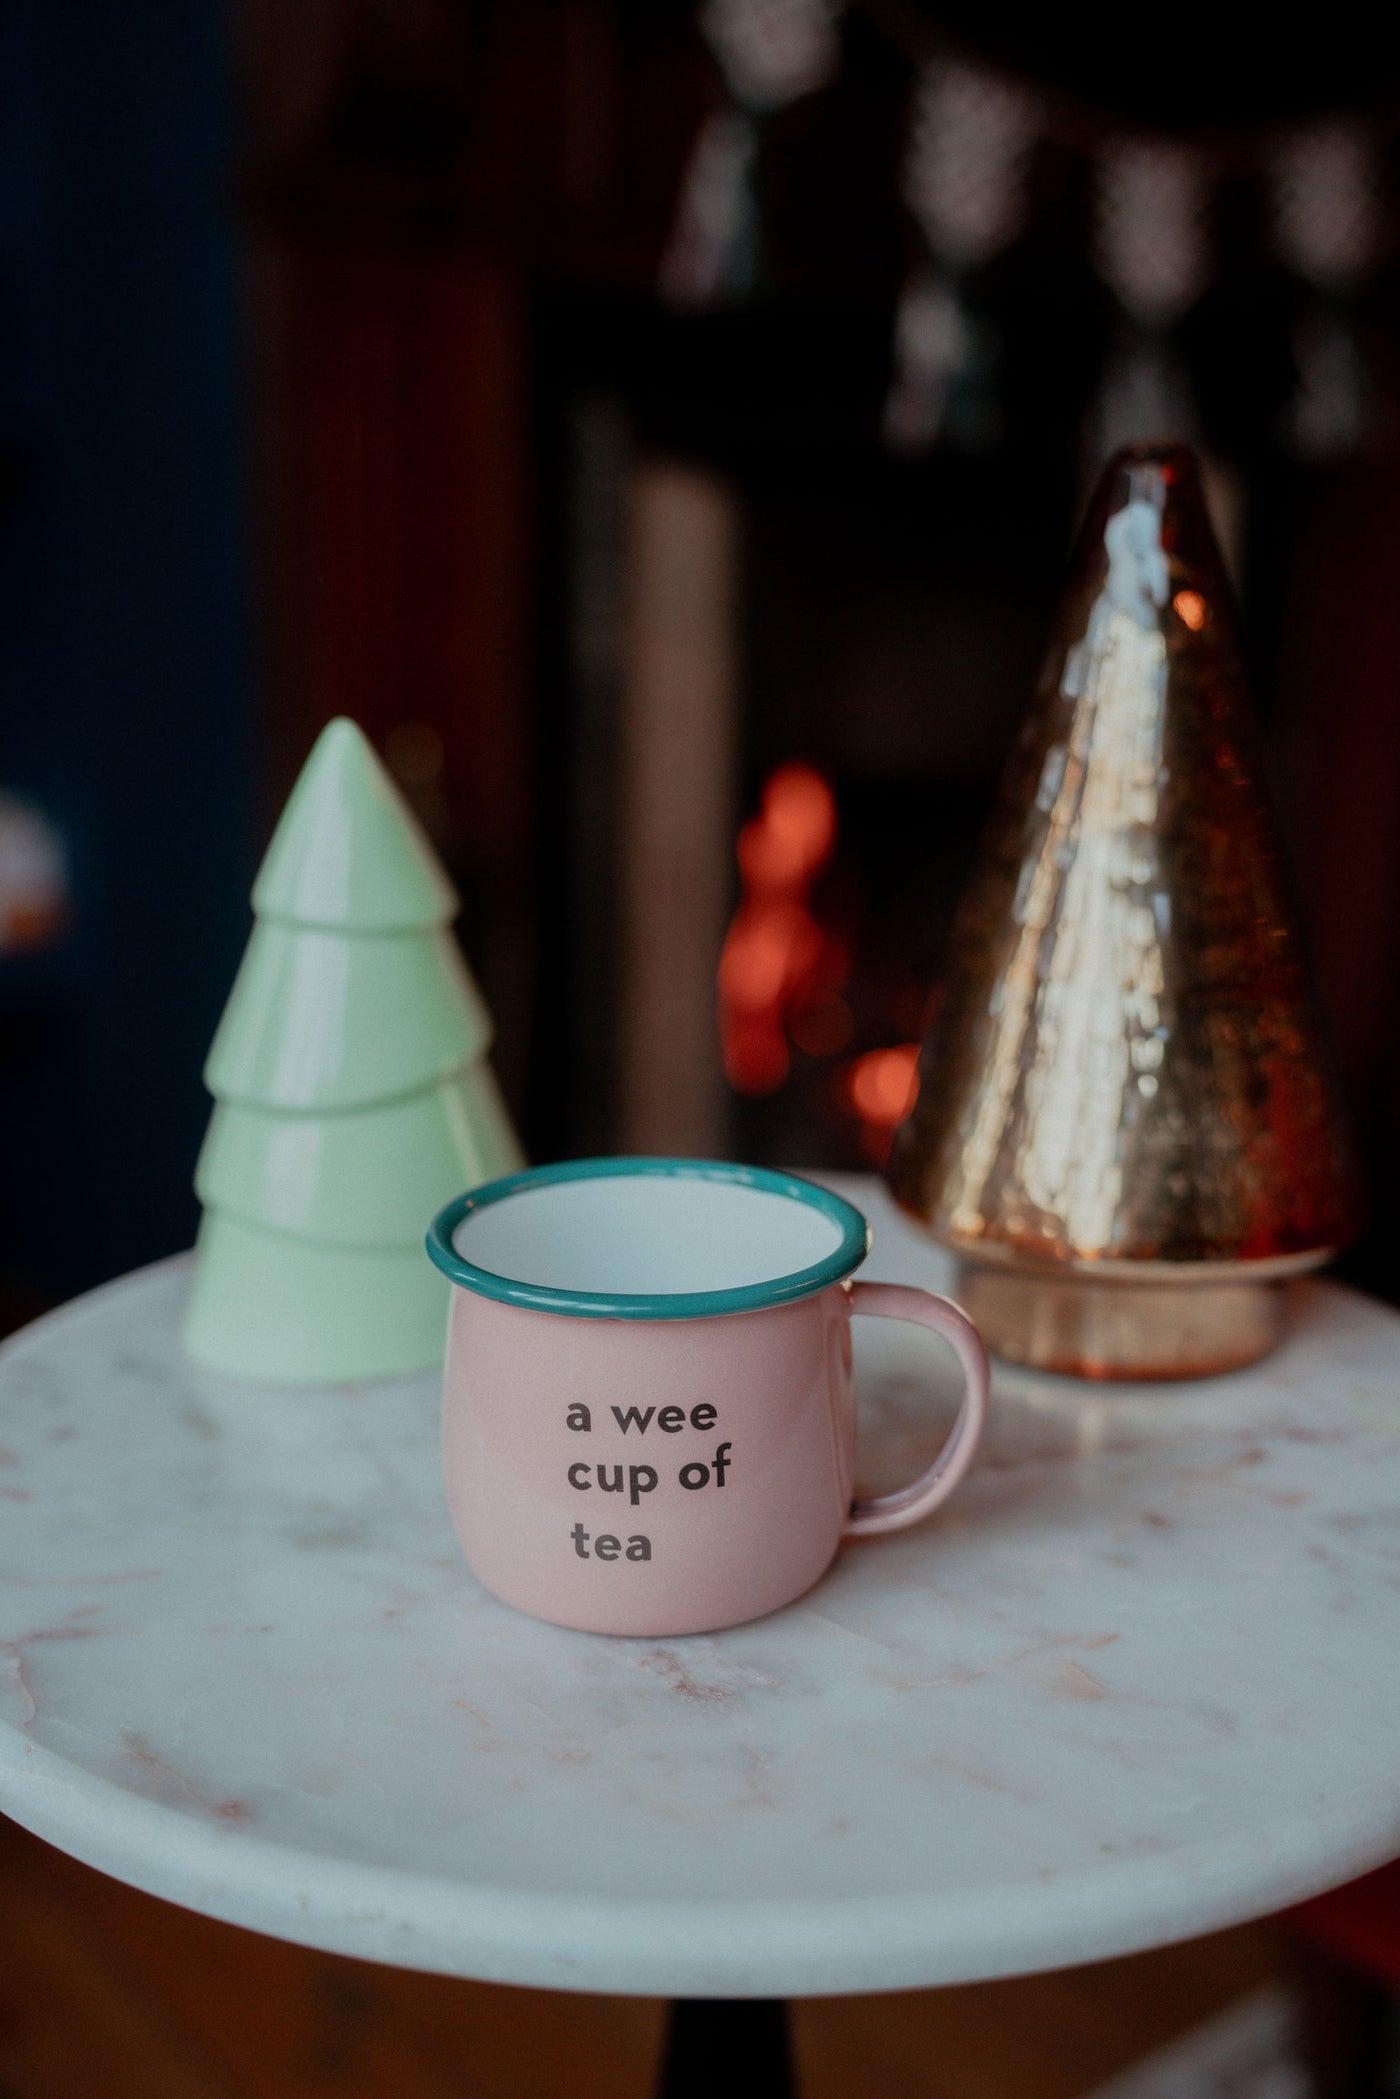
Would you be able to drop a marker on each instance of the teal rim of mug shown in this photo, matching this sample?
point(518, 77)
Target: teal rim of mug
point(850, 1251)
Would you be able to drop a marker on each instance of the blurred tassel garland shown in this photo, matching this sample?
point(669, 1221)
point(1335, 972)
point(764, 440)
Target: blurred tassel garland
point(1150, 248)
point(970, 140)
point(1326, 231)
point(973, 134)
point(771, 53)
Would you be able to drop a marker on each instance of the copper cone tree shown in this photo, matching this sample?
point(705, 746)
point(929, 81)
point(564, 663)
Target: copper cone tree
point(1125, 1123)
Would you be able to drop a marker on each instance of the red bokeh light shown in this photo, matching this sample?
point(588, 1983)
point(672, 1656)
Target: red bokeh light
point(776, 959)
point(883, 1083)
point(770, 949)
point(799, 812)
point(882, 1086)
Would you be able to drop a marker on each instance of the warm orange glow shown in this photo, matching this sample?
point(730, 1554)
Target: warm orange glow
point(755, 1057)
point(769, 946)
point(769, 859)
point(883, 1083)
point(1190, 608)
point(776, 961)
point(799, 811)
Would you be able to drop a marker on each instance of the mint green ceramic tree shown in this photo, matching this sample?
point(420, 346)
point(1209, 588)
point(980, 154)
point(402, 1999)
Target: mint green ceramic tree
point(353, 1093)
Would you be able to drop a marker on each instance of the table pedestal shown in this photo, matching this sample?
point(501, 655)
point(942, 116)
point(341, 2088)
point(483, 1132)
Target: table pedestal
point(718, 2041)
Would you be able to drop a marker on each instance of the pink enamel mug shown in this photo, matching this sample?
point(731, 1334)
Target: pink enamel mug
point(648, 1414)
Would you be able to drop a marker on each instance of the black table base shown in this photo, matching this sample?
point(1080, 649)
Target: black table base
point(719, 2043)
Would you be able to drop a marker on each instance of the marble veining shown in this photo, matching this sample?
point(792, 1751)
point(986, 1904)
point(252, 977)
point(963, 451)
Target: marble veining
point(1136, 1681)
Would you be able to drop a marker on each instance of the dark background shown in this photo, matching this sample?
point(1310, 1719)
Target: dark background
point(308, 319)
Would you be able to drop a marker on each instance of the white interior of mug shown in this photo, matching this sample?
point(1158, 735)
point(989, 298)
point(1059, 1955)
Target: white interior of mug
point(625, 1235)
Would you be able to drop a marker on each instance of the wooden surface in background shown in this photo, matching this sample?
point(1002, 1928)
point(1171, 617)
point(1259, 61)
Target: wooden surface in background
point(389, 438)
point(391, 435)
point(110, 1994)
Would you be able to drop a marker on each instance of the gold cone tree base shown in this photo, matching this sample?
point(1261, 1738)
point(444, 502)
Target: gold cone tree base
point(1083, 1326)
point(1126, 1080)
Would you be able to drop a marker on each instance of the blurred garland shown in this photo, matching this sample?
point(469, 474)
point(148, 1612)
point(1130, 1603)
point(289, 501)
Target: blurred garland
point(973, 130)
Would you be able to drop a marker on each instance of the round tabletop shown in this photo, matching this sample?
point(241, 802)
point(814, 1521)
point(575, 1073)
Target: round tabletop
point(1137, 1681)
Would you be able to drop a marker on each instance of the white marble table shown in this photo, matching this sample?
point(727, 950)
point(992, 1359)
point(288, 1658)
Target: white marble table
point(1140, 1680)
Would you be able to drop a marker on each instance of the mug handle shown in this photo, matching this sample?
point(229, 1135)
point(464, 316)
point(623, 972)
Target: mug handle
point(894, 1512)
